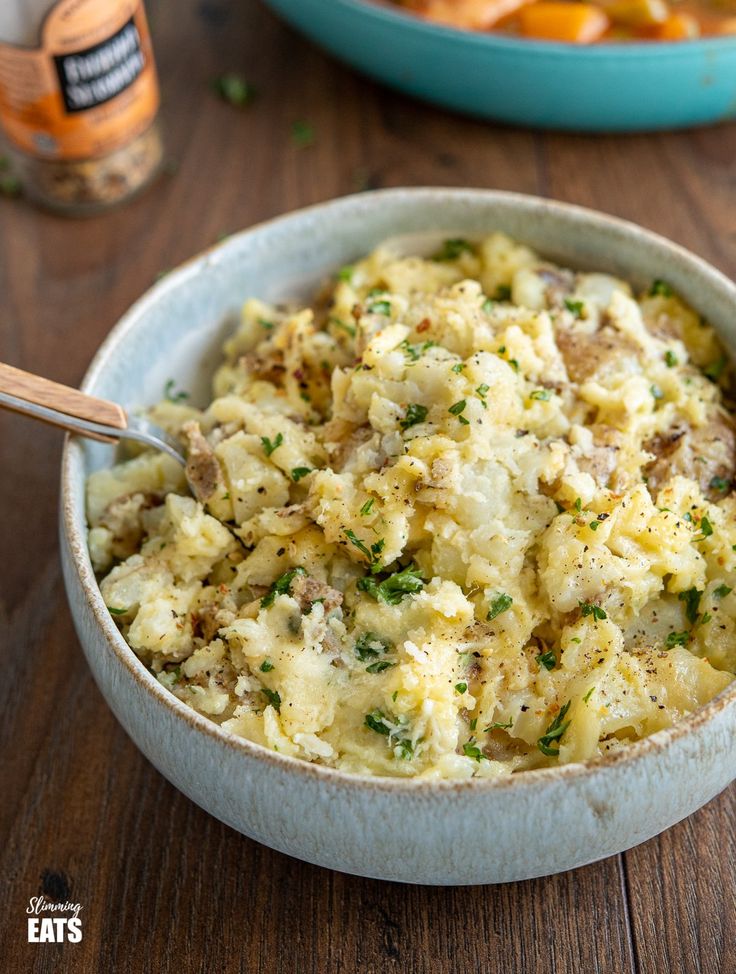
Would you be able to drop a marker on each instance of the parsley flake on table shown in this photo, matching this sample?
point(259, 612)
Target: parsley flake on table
point(302, 134)
point(234, 89)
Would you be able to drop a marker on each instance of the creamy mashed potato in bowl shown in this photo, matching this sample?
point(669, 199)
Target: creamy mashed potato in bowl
point(461, 540)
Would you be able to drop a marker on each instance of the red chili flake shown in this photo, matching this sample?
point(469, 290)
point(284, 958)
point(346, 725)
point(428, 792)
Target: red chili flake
point(424, 325)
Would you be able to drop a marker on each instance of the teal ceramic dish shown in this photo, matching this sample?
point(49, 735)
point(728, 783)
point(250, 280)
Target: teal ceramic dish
point(601, 88)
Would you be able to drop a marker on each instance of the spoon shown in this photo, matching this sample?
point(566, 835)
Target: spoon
point(72, 410)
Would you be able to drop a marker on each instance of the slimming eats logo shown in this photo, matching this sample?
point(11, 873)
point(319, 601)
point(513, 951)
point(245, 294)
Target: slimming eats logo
point(44, 929)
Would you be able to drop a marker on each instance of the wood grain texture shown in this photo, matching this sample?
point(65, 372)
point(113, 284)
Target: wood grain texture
point(164, 887)
point(35, 390)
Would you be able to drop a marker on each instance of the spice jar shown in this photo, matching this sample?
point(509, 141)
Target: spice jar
point(78, 100)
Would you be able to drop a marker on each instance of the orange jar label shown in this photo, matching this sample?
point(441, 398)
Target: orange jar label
point(88, 89)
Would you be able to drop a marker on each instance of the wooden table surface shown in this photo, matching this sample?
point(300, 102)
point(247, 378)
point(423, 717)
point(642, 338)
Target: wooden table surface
point(164, 887)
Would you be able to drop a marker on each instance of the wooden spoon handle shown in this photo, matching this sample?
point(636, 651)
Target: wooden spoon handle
point(32, 389)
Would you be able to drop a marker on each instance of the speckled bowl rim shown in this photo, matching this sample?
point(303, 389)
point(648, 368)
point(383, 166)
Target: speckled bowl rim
point(76, 532)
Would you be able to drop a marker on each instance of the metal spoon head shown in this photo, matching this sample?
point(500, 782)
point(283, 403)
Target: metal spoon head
point(144, 431)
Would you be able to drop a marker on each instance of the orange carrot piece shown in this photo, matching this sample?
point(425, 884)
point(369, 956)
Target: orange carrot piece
point(727, 26)
point(471, 14)
point(556, 20)
point(677, 27)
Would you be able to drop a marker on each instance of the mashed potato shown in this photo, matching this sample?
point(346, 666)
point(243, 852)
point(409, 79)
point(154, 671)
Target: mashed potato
point(469, 515)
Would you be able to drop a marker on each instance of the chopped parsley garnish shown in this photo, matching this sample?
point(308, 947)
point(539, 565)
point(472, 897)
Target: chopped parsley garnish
point(554, 733)
point(548, 660)
point(720, 483)
point(578, 504)
point(379, 666)
point(660, 288)
point(298, 472)
point(266, 666)
point(302, 133)
point(380, 308)
point(281, 586)
point(415, 413)
point(415, 352)
point(458, 367)
point(706, 529)
point(346, 273)
point(670, 358)
point(270, 445)
point(393, 588)
point(594, 525)
point(499, 604)
point(677, 639)
point(591, 609)
point(405, 750)
point(691, 598)
point(173, 396)
point(588, 695)
point(497, 725)
point(454, 248)
point(273, 697)
point(543, 394)
point(715, 370)
point(234, 89)
point(457, 408)
point(576, 308)
point(487, 305)
point(342, 325)
point(114, 611)
point(268, 325)
point(370, 644)
point(471, 750)
point(722, 591)
point(461, 687)
point(372, 554)
point(483, 390)
point(503, 292)
point(366, 508)
point(375, 721)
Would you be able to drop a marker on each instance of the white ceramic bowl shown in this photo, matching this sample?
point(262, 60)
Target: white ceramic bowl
point(415, 831)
